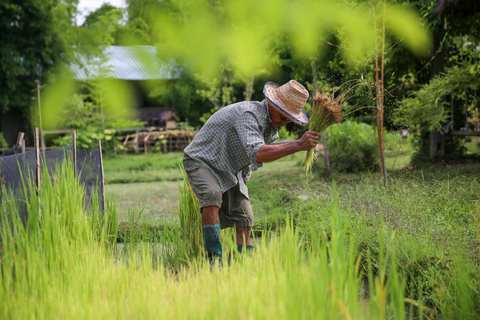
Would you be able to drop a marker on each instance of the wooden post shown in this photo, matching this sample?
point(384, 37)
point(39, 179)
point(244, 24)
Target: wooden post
point(18, 145)
point(102, 177)
point(37, 171)
point(137, 148)
point(74, 152)
point(379, 95)
point(40, 115)
point(165, 143)
point(146, 143)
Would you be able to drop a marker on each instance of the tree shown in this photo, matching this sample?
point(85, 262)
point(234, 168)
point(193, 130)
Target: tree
point(35, 36)
point(455, 26)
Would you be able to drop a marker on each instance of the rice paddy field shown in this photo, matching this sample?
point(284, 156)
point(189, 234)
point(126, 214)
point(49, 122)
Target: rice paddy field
point(349, 248)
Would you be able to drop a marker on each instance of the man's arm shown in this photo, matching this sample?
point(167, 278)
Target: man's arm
point(268, 153)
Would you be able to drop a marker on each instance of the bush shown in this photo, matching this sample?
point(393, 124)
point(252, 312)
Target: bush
point(3, 142)
point(284, 134)
point(91, 125)
point(352, 147)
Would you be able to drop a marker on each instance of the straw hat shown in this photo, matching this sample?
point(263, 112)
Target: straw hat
point(288, 99)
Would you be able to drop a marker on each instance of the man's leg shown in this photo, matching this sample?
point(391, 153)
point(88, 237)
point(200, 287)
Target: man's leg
point(208, 191)
point(236, 211)
point(243, 238)
point(211, 232)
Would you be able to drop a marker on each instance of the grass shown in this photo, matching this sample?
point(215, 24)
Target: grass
point(65, 265)
point(346, 249)
point(152, 167)
point(155, 199)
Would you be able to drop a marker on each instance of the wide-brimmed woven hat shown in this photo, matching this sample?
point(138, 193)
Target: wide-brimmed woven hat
point(288, 99)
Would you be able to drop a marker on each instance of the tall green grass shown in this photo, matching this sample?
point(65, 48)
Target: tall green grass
point(64, 266)
point(53, 243)
point(435, 243)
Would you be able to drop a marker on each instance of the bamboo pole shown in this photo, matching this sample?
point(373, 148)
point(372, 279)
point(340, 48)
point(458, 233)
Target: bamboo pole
point(37, 170)
point(102, 177)
point(74, 152)
point(382, 97)
point(379, 92)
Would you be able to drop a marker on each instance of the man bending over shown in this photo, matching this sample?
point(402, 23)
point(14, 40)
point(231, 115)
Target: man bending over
point(235, 141)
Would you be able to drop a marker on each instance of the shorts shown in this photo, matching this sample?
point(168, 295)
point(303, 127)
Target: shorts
point(235, 209)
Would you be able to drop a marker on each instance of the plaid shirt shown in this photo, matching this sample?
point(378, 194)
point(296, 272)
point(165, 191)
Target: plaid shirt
point(229, 140)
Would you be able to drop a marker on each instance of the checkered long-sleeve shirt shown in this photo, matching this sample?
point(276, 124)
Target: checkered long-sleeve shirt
point(229, 140)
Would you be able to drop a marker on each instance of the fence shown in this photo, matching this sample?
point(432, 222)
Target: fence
point(163, 140)
point(23, 165)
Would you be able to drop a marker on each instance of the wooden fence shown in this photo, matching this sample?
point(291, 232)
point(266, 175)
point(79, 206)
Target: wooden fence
point(162, 140)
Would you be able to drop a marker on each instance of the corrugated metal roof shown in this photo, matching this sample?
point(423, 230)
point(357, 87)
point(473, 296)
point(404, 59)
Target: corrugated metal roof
point(125, 63)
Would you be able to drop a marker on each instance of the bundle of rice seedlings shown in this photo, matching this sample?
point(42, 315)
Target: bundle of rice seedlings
point(326, 110)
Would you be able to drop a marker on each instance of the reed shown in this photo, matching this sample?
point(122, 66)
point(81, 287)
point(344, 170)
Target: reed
point(326, 111)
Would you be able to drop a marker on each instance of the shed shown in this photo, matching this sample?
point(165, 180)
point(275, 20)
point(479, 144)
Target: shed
point(138, 65)
point(132, 63)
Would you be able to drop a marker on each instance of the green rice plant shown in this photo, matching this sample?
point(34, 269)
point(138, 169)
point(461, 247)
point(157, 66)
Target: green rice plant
point(186, 244)
point(325, 111)
point(434, 225)
point(190, 218)
point(57, 233)
point(74, 275)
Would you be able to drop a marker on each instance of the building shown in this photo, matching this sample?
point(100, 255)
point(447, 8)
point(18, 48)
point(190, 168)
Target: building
point(140, 66)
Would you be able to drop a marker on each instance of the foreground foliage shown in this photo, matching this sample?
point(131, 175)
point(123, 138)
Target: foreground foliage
point(431, 215)
point(355, 250)
point(63, 264)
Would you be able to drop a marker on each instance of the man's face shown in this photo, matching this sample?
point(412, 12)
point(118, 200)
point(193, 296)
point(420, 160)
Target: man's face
point(278, 120)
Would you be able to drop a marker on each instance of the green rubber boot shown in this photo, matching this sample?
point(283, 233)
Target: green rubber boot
point(212, 243)
point(240, 248)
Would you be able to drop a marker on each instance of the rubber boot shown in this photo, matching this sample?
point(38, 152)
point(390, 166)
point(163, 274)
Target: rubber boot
point(240, 248)
point(212, 243)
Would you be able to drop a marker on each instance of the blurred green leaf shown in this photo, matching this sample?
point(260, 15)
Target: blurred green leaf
point(118, 98)
point(405, 24)
point(53, 102)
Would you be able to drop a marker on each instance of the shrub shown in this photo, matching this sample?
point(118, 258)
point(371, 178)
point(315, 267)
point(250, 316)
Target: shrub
point(91, 125)
point(284, 134)
point(352, 147)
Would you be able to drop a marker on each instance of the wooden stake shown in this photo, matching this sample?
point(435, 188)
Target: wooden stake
point(40, 115)
point(74, 152)
point(20, 140)
point(379, 94)
point(382, 97)
point(102, 180)
point(146, 143)
point(37, 171)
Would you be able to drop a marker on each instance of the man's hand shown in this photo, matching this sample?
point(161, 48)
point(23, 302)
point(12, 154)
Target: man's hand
point(309, 140)
point(269, 153)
